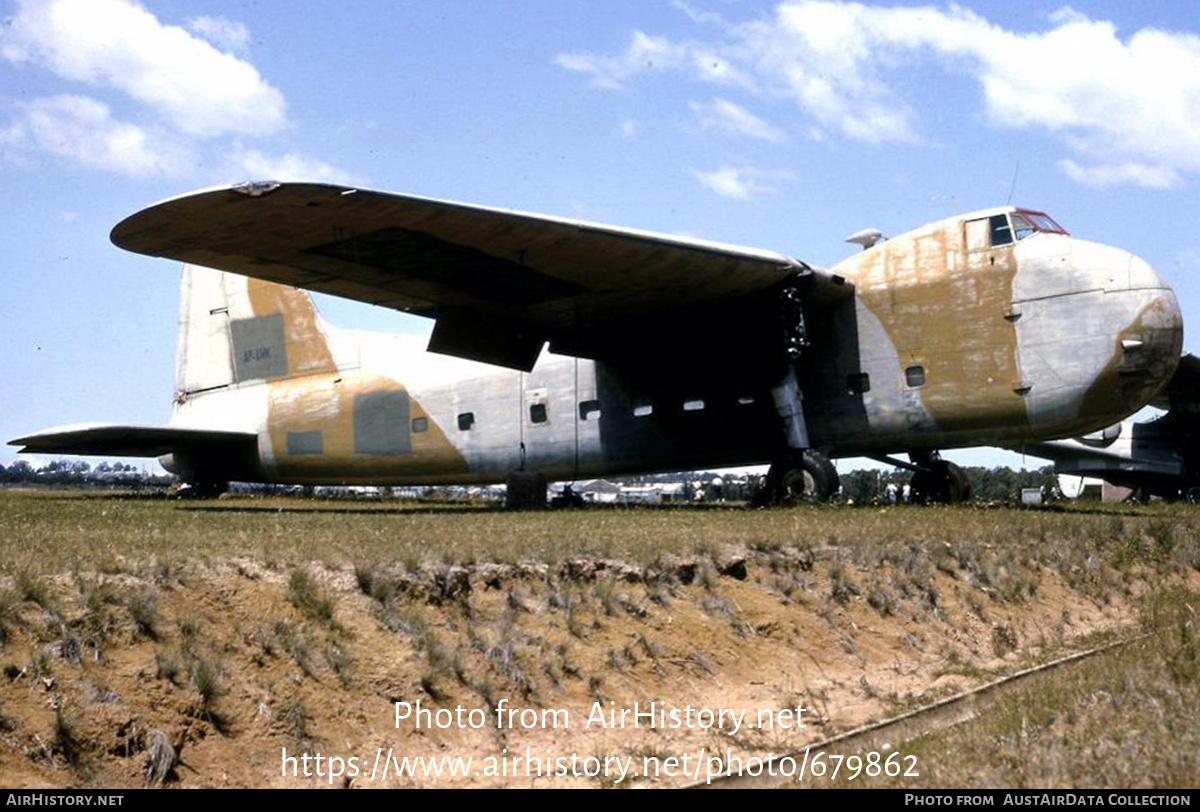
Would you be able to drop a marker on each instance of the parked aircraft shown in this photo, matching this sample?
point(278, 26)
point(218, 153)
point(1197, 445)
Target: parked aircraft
point(1157, 457)
point(581, 350)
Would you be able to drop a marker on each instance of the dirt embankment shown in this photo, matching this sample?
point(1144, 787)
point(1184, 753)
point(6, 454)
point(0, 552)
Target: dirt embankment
point(200, 674)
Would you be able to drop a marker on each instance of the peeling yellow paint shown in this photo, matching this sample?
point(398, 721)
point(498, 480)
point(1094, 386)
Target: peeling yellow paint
point(307, 350)
point(943, 308)
point(325, 403)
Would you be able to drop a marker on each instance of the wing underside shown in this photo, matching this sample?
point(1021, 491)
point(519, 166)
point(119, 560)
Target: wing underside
point(500, 283)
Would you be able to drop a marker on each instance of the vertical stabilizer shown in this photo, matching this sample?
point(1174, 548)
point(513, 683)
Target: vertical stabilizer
point(235, 331)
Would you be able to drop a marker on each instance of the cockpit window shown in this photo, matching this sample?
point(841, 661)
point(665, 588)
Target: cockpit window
point(1046, 223)
point(1027, 223)
point(1022, 228)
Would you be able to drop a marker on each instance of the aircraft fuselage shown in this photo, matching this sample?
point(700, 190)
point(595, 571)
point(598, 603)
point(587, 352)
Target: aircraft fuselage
point(956, 334)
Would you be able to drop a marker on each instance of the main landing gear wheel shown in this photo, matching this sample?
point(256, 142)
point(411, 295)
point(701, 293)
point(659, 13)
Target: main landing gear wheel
point(806, 476)
point(203, 489)
point(941, 482)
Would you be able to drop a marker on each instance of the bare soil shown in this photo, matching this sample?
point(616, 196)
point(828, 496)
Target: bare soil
point(127, 670)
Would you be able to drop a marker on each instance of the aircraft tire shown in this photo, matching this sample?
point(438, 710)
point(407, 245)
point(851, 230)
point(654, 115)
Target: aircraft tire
point(943, 483)
point(960, 483)
point(835, 481)
point(205, 490)
point(810, 478)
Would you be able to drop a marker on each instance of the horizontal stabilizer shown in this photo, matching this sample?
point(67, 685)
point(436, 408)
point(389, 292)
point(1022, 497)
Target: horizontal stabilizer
point(131, 441)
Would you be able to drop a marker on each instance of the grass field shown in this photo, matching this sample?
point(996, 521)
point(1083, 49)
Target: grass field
point(57, 530)
point(151, 640)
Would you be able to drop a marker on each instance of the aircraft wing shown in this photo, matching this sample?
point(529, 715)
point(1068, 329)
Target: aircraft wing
point(500, 283)
point(132, 441)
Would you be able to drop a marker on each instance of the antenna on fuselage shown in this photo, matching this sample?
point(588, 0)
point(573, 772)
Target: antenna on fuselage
point(1013, 187)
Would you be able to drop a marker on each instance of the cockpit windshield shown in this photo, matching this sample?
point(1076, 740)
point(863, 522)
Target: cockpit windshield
point(1026, 223)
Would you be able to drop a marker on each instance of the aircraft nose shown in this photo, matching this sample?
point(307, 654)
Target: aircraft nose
point(1144, 315)
point(1100, 335)
point(1144, 277)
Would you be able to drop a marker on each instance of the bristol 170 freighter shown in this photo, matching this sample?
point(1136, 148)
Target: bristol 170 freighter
point(580, 350)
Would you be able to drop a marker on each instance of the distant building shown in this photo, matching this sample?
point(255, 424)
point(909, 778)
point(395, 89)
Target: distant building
point(599, 490)
point(656, 494)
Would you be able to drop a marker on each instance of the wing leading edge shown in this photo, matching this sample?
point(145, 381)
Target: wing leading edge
point(500, 283)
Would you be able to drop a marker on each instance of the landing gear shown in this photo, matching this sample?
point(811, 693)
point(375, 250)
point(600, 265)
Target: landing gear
point(800, 473)
point(202, 489)
point(803, 476)
point(938, 481)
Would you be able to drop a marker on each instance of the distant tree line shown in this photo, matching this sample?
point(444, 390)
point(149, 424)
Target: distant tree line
point(987, 484)
point(80, 473)
point(865, 486)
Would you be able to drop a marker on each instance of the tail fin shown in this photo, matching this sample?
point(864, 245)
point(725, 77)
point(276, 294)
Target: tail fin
point(235, 330)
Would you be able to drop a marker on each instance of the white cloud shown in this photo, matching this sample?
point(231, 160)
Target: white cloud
point(741, 182)
point(84, 131)
point(228, 35)
point(1104, 175)
point(698, 16)
point(253, 164)
point(647, 53)
point(1130, 104)
point(644, 53)
point(203, 102)
point(116, 43)
point(725, 116)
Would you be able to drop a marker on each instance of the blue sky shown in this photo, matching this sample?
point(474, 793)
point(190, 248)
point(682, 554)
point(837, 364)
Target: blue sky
point(784, 126)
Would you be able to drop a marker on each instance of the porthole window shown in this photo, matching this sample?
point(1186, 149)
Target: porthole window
point(858, 383)
point(746, 400)
point(589, 410)
point(420, 425)
point(465, 421)
point(537, 413)
point(915, 376)
point(693, 405)
point(643, 410)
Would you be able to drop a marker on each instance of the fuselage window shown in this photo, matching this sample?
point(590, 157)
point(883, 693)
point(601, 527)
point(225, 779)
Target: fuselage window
point(465, 421)
point(915, 376)
point(420, 425)
point(643, 410)
point(693, 405)
point(1001, 233)
point(537, 413)
point(746, 400)
point(589, 410)
point(977, 235)
point(858, 383)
